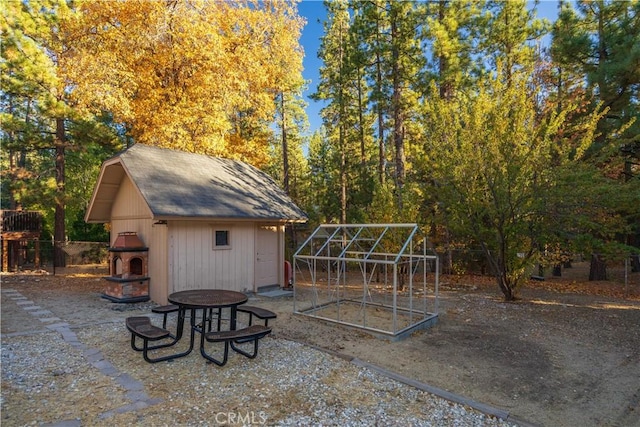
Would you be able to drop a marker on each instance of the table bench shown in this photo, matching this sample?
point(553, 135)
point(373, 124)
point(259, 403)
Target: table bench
point(231, 338)
point(141, 327)
point(260, 313)
point(164, 310)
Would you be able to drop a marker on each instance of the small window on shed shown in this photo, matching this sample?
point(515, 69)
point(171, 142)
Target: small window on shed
point(221, 239)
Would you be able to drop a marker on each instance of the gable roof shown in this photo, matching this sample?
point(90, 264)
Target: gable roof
point(177, 184)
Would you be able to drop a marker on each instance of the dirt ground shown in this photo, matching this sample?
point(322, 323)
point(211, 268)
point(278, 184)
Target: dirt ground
point(567, 353)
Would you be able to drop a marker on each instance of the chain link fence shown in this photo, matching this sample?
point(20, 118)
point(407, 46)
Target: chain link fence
point(32, 255)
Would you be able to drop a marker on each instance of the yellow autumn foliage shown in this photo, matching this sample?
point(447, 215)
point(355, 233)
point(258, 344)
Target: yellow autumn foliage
point(178, 74)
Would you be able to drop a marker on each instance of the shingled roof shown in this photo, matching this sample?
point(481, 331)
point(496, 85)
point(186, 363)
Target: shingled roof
point(176, 184)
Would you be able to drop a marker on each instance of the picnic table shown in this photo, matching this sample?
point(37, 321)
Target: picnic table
point(201, 305)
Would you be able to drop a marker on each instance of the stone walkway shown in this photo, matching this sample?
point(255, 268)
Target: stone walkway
point(135, 389)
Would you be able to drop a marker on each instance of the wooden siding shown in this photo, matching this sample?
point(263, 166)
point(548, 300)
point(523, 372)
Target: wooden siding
point(158, 264)
point(130, 213)
point(128, 204)
point(195, 264)
point(281, 259)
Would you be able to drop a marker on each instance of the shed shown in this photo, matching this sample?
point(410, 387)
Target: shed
point(207, 222)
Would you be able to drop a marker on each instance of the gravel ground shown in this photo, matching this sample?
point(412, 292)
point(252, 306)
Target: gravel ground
point(57, 373)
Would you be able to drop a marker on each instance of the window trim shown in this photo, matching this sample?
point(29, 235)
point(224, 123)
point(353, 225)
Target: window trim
point(214, 236)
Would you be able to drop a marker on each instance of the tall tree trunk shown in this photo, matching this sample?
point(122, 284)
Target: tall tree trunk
point(361, 107)
point(285, 148)
point(446, 85)
point(363, 152)
point(17, 160)
point(398, 114)
point(598, 268)
point(341, 133)
point(13, 168)
point(364, 173)
point(380, 112)
point(59, 234)
point(285, 166)
point(343, 178)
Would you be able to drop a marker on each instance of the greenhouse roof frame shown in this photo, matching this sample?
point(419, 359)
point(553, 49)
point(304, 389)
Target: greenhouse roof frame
point(369, 242)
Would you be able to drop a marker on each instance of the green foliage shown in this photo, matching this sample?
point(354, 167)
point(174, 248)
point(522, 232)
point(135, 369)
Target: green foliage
point(323, 204)
point(287, 163)
point(492, 161)
point(588, 211)
point(452, 27)
point(509, 35)
point(601, 42)
point(40, 125)
point(81, 231)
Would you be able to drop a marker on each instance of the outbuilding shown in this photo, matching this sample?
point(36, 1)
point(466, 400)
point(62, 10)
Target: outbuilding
point(206, 222)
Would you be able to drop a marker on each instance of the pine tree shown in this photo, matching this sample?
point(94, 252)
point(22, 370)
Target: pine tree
point(323, 206)
point(600, 41)
point(510, 35)
point(370, 32)
point(43, 121)
point(451, 28)
point(335, 87)
point(596, 44)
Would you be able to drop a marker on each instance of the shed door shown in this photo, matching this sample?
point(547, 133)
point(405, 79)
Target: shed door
point(266, 256)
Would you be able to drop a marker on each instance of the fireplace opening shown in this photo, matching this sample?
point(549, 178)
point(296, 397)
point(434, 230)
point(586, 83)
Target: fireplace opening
point(116, 266)
point(136, 266)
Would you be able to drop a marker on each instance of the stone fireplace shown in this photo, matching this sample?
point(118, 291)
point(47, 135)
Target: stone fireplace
point(128, 279)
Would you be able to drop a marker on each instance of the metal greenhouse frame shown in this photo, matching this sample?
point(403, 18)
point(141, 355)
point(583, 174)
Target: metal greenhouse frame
point(380, 278)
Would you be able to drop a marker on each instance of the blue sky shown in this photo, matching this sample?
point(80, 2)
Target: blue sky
point(314, 12)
